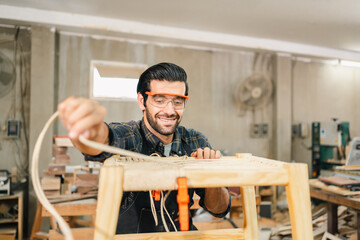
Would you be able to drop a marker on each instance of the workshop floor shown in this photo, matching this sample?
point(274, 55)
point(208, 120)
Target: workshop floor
point(204, 221)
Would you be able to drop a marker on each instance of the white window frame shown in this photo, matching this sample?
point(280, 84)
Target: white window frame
point(113, 69)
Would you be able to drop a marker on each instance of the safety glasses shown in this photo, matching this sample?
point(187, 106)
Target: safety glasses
point(161, 100)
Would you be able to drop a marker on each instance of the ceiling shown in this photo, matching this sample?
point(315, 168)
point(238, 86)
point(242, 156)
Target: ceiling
point(325, 23)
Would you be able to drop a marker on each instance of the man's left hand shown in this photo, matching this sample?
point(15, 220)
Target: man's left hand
point(216, 199)
point(206, 153)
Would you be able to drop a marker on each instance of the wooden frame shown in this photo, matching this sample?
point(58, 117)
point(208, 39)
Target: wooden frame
point(249, 171)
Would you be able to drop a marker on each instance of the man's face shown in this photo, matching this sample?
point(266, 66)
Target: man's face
point(164, 120)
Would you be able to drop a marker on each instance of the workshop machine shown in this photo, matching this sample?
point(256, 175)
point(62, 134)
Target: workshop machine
point(329, 140)
point(5, 182)
point(354, 154)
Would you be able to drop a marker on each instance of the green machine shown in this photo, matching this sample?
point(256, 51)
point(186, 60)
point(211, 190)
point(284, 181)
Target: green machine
point(329, 140)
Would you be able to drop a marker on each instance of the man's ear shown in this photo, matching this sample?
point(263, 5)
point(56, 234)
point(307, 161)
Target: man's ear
point(140, 100)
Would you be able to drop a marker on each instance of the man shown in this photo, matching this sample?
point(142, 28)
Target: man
point(162, 94)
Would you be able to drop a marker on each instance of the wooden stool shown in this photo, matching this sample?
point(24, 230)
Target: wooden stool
point(69, 210)
point(246, 173)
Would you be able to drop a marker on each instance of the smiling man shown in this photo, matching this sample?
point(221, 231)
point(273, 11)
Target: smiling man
point(162, 95)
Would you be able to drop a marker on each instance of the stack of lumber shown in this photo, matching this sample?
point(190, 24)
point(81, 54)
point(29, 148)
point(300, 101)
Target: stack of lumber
point(346, 224)
point(61, 180)
point(53, 176)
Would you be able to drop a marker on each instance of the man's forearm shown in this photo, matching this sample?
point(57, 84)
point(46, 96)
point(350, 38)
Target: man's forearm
point(216, 199)
point(101, 136)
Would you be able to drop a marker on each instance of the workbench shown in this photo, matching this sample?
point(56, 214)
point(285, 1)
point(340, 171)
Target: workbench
point(333, 201)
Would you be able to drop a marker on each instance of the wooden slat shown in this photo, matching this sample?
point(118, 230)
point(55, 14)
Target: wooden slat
point(72, 209)
point(337, 199)
point(332, 189)
point(109, 199)
point(50, 183)
point(234, 177)
point(228, 234)
point(144, 180)
point(86, 180)
point(249, 210)
point(57, 169)
point(298, 196)
point(78, 234)
point(339, 181)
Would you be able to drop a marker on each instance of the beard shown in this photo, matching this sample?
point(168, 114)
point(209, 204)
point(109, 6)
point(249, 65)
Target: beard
point(163, 128)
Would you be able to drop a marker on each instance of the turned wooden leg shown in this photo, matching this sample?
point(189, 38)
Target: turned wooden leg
point(298, 195)
point(108, 203)
point(249, 211)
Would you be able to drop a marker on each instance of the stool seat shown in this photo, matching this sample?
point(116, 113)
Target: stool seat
point(243, 170)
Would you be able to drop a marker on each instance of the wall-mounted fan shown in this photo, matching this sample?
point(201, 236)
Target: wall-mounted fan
point(7, 75)
point(254, 92)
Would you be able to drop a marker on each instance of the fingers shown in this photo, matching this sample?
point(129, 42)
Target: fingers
point(206, 153)
point(199, 153)
point(217, 154)
point(81, 116)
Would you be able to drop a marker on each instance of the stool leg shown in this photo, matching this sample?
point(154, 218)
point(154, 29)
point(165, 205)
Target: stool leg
point(108, 204)
point(249, 211)
point(37, 222)
point(298, 195)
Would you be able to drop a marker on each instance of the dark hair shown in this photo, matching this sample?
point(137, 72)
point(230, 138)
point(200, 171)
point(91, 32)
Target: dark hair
point(163, 72)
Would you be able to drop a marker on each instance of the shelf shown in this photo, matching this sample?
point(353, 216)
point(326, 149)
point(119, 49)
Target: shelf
point(2, 221)
point(13, 200)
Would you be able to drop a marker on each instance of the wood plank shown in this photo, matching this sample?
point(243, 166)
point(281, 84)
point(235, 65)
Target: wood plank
point(20, 215)
point(86, 180)
point(339, 181)
point(332, 189)
point(7, 237)
point(144, 180)
point(298, 196)
point(78, 234)
point(69, 209)
point(109, 199)
point(349, 167)
point(52, 193)
point(63, 141)
point(62, 159)
point(249, 211)
point(228, 234)
point(50, 183)
point(56, 150)
point(337, 199)
point(8, 230)
point(57, 169)
point(71, 197)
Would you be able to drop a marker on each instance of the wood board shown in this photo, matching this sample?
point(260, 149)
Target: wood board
point(332, 189)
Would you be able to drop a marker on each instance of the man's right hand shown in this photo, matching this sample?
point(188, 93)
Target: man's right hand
point(84, 117)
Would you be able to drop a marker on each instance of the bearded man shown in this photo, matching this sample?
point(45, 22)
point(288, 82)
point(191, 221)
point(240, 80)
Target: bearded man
point(162, 95)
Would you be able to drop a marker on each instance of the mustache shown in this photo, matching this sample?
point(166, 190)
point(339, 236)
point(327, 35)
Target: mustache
point(176, 116)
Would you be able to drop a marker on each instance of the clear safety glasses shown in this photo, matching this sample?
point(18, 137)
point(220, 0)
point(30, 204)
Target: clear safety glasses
point(161, 100)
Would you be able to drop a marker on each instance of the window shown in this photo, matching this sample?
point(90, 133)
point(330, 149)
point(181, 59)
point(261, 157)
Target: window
point(114, 80)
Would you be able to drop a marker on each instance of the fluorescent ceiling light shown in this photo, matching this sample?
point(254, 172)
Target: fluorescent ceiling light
point(349, 63)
